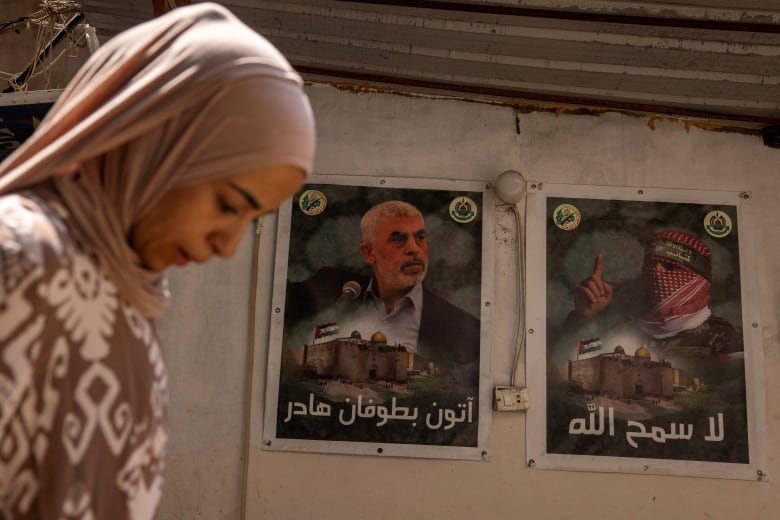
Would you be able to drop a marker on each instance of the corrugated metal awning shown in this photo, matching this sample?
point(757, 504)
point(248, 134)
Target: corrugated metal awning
point(699, 58)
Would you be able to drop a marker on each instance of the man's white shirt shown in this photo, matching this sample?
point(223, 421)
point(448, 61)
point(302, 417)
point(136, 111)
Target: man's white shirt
point(400, 327)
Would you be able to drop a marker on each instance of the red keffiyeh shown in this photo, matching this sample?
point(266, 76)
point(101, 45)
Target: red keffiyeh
point(677, 275)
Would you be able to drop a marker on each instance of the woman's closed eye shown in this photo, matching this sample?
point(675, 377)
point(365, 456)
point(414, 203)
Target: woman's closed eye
point(225, 207)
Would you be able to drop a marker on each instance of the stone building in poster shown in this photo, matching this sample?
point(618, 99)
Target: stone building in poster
point(360, 360)
point(623, 375)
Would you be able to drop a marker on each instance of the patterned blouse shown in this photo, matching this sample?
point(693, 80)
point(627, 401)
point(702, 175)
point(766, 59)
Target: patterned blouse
point(83, 386)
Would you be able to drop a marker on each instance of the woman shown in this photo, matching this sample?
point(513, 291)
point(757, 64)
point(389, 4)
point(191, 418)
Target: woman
point(168, 143)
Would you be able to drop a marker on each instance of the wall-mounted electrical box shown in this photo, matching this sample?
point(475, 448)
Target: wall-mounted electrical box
point(510, 398)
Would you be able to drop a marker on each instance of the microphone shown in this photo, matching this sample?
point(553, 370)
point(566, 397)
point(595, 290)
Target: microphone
point(350, 290)
point(349, 293)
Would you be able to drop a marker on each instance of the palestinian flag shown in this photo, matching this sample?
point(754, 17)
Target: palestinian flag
point(589, 345)
point(326, 329)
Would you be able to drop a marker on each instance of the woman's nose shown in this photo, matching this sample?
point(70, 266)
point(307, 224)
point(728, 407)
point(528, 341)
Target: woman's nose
point(225, 242)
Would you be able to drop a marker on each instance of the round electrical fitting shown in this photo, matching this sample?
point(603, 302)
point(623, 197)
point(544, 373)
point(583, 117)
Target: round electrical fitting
point(510, 186)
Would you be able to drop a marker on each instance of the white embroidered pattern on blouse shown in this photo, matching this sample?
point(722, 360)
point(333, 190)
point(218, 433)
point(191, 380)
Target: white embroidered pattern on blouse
point(82, 379)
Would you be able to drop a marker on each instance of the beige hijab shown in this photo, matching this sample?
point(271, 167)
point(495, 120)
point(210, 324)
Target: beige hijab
point(190, 96)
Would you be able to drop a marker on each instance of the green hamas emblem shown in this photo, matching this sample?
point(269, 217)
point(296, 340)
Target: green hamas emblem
point(312, 202)
point(717, 224)
point(566, 217)
point(463, 209)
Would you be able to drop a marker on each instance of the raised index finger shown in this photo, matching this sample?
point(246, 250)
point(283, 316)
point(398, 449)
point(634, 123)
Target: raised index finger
point(598, 267)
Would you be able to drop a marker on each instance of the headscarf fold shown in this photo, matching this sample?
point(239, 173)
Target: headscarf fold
point(191, 96)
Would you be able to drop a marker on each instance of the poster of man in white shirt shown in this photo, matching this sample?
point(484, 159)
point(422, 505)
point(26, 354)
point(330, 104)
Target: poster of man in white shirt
point(382, 321)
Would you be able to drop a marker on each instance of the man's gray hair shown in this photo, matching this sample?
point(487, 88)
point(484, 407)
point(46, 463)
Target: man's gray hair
point(390, 208)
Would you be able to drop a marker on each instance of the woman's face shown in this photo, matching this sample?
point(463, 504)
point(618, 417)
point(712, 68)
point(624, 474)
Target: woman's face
point(209, 218)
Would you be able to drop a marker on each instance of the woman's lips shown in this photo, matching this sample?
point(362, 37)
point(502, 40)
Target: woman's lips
point(181, 258)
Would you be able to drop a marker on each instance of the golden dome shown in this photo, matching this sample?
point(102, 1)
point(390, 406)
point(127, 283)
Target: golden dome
point(642, 352)
point(378, 337)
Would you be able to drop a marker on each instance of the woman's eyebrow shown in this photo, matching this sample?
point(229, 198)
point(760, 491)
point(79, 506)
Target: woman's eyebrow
point(248, 196)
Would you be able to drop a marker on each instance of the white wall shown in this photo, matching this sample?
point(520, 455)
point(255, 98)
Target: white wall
point(206, 332)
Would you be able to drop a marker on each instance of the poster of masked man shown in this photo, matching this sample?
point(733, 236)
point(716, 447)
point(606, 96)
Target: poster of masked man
point(382, 338)
point(646, 346)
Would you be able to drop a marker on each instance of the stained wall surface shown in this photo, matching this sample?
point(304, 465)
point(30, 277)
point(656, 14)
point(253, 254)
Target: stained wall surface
point(217, 377)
